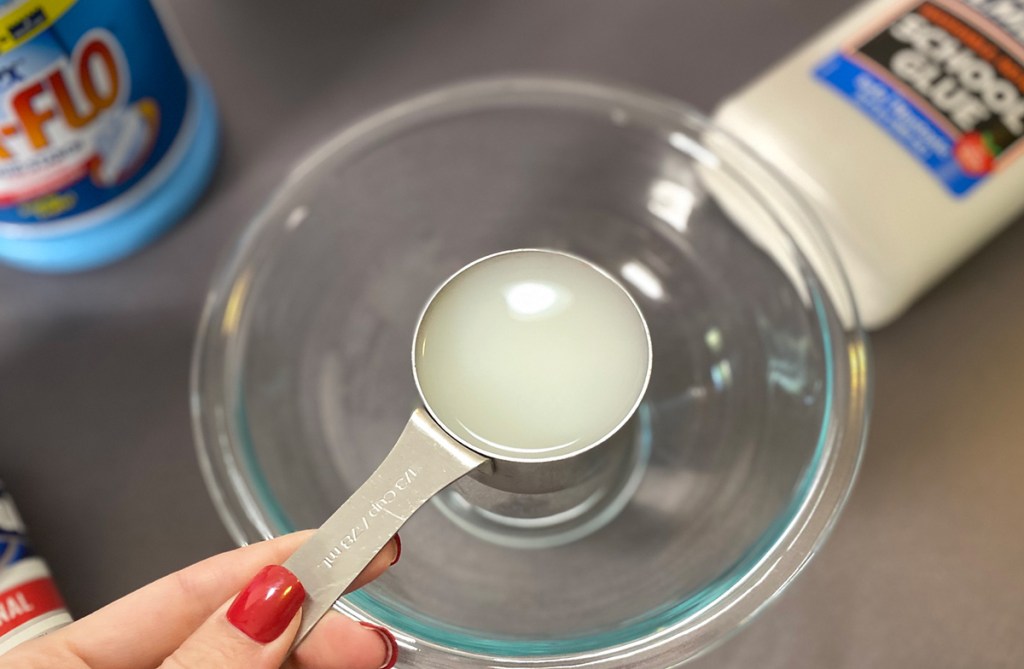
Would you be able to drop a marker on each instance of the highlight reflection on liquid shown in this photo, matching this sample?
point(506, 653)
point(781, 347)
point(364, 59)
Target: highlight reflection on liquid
point(528, 300)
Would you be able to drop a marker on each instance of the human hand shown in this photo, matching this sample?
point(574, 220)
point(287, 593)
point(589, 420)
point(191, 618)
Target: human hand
point(193, 619)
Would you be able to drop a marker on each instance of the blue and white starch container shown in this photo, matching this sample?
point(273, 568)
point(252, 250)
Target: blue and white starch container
point(105, 139)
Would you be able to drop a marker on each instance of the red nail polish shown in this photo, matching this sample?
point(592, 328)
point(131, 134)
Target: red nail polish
point(389, 638)
point(398, 551)
point(264, 608)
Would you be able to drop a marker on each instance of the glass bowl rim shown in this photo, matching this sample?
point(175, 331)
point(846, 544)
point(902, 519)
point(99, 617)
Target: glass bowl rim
point(812, 513)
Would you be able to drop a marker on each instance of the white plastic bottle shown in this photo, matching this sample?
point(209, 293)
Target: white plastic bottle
point(902, 123)
point(30, 605)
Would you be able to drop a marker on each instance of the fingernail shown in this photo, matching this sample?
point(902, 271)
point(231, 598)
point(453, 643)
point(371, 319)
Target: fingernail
point(398, 551)
point(392, 643)
point(264, 608)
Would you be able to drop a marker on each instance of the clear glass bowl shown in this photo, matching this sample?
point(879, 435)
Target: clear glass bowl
point(744, 448)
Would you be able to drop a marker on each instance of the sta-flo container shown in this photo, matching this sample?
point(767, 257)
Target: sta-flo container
point(105, 139)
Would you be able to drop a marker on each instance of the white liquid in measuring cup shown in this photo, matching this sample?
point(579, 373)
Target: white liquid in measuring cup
point(531, 355)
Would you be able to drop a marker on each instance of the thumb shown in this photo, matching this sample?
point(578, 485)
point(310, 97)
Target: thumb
point(254, 631)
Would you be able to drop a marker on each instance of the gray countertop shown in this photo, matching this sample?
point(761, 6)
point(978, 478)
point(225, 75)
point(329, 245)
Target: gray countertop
point(924, 567)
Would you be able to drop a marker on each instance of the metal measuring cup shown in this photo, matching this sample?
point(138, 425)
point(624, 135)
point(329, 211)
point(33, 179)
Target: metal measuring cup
point(427, 458)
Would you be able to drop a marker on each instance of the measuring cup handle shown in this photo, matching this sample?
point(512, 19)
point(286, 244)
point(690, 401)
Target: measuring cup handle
point(423, 461)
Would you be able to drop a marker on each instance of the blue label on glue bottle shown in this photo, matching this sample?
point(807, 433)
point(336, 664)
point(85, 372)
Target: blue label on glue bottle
point(105, 141)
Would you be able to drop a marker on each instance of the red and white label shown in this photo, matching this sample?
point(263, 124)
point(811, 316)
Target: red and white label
point(23, 603)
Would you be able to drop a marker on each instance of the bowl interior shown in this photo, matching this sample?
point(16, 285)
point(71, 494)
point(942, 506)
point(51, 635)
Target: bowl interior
point(305, 381)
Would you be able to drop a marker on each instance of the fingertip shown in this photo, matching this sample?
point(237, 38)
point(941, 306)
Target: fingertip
point(387, 556)
point(255, 629)
point(396, 542)
point(339, 641)
point(391, 643)
point(265, 608)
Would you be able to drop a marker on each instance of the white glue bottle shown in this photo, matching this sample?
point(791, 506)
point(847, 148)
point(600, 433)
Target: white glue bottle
point(902, 125)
